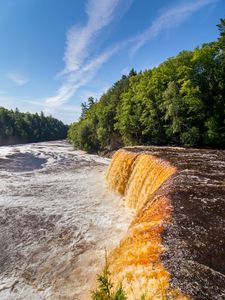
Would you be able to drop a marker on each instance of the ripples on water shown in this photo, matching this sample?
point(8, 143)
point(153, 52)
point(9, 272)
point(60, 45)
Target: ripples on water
point(194, 239)
point(56, 218)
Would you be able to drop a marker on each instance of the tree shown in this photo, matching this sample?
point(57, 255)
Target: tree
point(180, 102)
point(221, 27)
point(18, 127)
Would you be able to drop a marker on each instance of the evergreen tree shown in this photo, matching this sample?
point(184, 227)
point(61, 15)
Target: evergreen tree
point(180, 102)
point(18, 127)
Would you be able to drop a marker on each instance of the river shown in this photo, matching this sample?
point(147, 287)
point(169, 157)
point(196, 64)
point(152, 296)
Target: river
point(194, 238)
point(56, 219)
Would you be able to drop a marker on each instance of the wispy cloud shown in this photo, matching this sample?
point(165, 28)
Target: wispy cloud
point(81, 63)
point(17, 78)
point(167, 19)
point(67, 113)
point(80, 39)
point(15, 101)
point(93, 92)
point(77, 79)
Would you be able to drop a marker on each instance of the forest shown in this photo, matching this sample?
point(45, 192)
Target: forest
point(180, 102)
point(17, 127)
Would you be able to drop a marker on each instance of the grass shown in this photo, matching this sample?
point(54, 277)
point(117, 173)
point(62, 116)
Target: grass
point(105, 290)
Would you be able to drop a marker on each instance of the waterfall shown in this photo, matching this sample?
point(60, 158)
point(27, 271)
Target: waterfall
point(145, 181)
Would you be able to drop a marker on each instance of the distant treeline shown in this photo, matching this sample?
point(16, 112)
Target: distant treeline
point(17, 127)
point(180, 102)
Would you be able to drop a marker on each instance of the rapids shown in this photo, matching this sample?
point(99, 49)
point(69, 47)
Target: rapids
point(56, 218)
point(175, 246)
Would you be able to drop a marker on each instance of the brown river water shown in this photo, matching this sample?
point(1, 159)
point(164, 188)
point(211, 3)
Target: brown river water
point(194, 238)
point(56, 219)
point(166, 229)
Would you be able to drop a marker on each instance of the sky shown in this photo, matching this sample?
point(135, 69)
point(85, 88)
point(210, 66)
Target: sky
point(54, 54)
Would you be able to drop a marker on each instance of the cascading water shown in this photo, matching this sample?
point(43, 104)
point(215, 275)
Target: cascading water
point(57, 217)
point(176, 239)
point(136, 261)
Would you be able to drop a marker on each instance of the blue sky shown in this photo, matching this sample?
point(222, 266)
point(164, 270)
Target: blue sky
point(54, 54)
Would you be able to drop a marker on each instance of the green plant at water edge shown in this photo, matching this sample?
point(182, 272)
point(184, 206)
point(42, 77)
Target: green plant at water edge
point(105, 287)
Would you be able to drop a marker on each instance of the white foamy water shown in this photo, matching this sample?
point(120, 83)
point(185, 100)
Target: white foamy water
point(56, 218)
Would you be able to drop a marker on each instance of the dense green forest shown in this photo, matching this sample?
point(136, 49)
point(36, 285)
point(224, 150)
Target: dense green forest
point(17, 127)
point(180, 102)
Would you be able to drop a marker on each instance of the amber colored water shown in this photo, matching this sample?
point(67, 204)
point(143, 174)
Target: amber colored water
point(136, 262)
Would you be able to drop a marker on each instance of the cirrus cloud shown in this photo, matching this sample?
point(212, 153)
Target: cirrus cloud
point(17, 78)
point(169, 18)
point(81, 64)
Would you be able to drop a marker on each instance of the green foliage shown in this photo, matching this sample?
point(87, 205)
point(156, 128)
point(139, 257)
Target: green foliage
point(221, 28)
point(180, 102)
point(17, 127)
point(105, 287)
point(86, 136)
